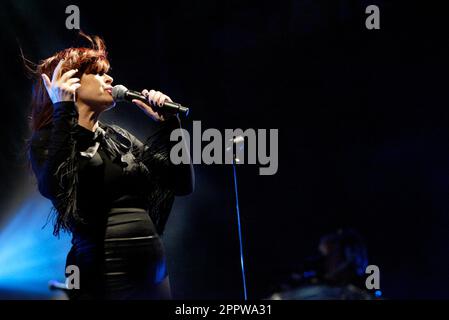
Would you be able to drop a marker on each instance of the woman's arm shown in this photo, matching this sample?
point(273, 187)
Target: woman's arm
point(52, 152)
point(156, 149)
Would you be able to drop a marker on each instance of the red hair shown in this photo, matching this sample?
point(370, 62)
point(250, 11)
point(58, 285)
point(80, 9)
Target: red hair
point(91, 59)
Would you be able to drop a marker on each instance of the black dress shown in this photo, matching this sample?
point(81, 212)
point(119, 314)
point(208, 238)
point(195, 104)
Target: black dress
point(114, 194)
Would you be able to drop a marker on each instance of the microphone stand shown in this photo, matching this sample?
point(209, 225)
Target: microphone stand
point(235, 160)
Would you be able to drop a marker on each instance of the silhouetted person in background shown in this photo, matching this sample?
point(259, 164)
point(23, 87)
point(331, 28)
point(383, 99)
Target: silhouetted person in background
point(338, 272)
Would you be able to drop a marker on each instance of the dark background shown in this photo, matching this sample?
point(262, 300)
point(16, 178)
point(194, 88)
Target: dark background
point(362, 118)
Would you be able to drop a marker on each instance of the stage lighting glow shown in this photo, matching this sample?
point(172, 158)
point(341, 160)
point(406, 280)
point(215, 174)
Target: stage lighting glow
point(378, 293)
point(29, 255)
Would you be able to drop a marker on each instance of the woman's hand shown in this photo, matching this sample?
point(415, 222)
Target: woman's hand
point(61, 87)
point(156, 99)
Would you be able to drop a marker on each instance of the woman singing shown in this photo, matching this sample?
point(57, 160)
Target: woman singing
point(112, 192)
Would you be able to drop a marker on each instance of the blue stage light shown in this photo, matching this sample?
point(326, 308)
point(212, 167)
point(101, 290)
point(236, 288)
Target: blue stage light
point(30, 255)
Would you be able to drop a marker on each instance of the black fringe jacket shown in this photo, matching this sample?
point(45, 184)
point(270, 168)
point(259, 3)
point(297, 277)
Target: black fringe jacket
point(55, 154)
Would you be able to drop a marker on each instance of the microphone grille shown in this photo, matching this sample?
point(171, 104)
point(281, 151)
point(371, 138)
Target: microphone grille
point(119, 92)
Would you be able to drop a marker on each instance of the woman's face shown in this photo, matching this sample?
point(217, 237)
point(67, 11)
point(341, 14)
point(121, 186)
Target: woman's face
point(96, 91)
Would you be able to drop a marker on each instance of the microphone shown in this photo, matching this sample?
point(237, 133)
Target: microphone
point(121, 93)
